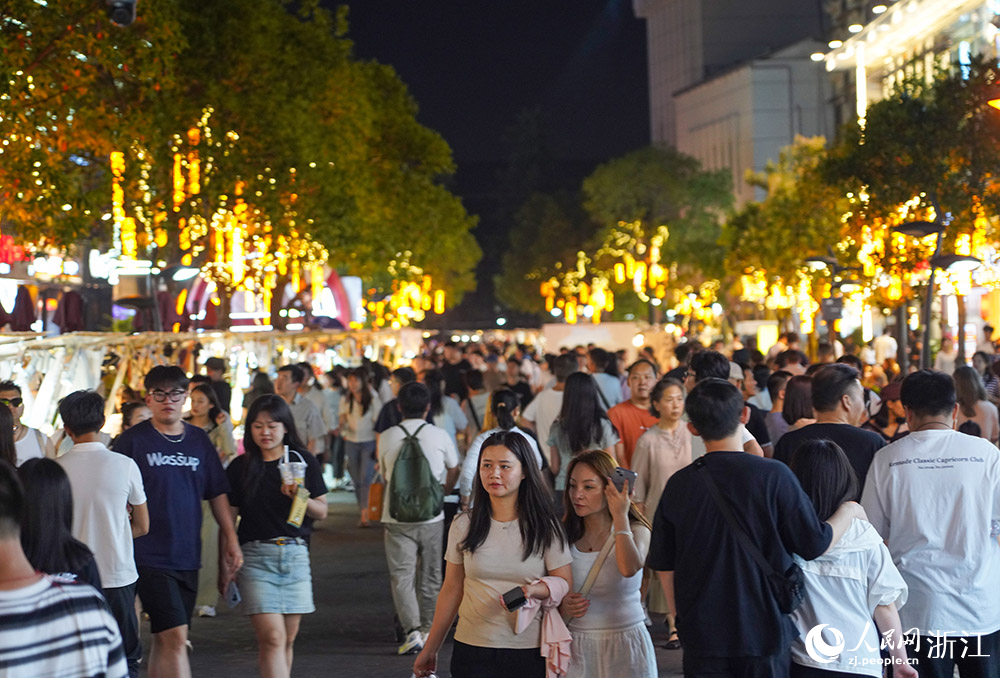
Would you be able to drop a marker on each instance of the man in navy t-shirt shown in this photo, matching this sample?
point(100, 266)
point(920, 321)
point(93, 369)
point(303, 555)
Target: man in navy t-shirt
point(727, 619)
point(179, 467)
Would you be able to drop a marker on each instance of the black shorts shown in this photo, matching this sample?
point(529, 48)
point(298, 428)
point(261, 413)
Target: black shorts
point(167, 596)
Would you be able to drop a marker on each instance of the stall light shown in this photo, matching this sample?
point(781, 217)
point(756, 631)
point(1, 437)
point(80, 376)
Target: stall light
point(638, 340)
point(501, 322)
point(855, 28)
point(879, 9)
point(834, 44)
point(556, 312)
point(670, 328)
point(465, 338)
point(456, 338)
point(656, 301)
point(476, 338)
point(817, 56)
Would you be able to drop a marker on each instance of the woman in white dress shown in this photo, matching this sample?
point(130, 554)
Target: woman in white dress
point(609, 634)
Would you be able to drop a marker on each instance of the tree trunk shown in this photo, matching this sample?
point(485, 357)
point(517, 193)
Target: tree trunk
point(225, 307)
point(960, 338)
point(278, 321)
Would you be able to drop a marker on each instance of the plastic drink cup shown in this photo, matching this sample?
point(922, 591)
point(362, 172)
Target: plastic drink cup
point(287, 475)
point(298, 470)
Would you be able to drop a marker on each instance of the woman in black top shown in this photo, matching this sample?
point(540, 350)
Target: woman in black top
point(276, 579)
point(47, 527)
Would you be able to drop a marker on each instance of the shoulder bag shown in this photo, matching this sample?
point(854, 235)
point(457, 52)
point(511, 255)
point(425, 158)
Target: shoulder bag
point(788, 589)
point(595, 569)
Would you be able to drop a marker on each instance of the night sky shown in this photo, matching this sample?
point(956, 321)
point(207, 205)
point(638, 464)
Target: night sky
point(473, 65)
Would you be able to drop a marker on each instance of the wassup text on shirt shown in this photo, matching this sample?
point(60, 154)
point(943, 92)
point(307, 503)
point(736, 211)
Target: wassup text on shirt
point(160, 459)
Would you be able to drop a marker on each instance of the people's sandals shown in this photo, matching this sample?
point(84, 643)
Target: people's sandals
point(673, 642)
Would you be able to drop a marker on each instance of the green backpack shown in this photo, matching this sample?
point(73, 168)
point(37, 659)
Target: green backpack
point(415, 495)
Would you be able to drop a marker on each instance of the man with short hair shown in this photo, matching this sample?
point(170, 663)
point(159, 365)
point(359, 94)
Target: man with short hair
point(545, 407)
point(180, 467)
point(713, 365)
point(215, 368)
point(755, 421)
point(838, 400)
point(308, 420)
point(413, 550)
point(632, 417)
point(792, 361)
point(775, 420)
point(517, 383)
point(454, 368)
point(29, 443)
point(390, 415)
point(104, 486)
point(727, 618)
point(933, 496)
point(885, 346)
point(47, 627)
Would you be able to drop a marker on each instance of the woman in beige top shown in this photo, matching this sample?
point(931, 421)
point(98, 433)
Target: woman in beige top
point(973, 404)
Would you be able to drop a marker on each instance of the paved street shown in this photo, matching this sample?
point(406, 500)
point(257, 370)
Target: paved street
point(350, 635)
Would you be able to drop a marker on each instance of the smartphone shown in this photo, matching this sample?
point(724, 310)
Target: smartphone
point(233, 597)
point(619, 477)
point(514, 599)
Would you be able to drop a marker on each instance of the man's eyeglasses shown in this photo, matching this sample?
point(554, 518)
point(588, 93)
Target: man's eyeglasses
point(175, 396)
point(11, 402)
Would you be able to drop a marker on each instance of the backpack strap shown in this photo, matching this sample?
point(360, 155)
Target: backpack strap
point(415, 433)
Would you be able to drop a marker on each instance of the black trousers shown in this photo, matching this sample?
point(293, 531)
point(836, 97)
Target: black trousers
point(121, 600)
point(469, 661)
point(938, 657)
point(774, 666)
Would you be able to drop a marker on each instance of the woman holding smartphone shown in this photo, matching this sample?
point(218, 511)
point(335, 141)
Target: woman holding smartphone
point(609, 633)
point(276, 579)
point(510, 539)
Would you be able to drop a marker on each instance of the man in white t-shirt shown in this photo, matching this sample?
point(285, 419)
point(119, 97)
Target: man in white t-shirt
point(933, 496)
point(885, 346)
point(104, 485)
point(413, 549)
point(30, 443)
point(545, 407)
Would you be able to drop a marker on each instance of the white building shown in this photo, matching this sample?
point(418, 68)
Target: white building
point(691, 40)
point(741, 119)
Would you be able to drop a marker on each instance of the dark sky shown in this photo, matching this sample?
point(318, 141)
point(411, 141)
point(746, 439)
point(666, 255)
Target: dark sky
point(474, 65)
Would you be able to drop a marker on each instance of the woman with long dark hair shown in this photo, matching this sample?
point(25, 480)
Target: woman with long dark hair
point(276, 579)
point(510, 539)
point(973, 404)
point(852, 583)
point(506, 408)
point(797, 410)
point(582, 425)
point(608, 623)
point(358, 412)
point(47, 524)
point(8, 451)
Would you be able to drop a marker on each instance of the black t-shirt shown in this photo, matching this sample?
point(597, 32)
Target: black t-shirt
point(224, 392)
point(724, 608)
point(454, 378)
point(679, 373)
point(265, 514)
point(858, 444)
point(757, 425)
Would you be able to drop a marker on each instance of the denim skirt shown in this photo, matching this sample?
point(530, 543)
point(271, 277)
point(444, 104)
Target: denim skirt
point(276, 579)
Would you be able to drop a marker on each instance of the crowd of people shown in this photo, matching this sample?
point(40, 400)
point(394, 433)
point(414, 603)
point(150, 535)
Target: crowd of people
point(767, 508)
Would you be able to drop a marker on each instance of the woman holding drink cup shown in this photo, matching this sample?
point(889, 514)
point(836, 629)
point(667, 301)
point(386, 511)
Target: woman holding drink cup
point(276, 580)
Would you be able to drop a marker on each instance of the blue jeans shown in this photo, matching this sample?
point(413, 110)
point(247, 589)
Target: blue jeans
point(361, 466)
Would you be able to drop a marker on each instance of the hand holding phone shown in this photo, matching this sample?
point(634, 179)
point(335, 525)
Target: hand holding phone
point(233, 597)
point(619, 477)
point(514, 599)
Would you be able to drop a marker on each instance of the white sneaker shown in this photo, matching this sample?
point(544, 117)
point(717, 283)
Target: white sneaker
point(413, 644)
point(206, 611)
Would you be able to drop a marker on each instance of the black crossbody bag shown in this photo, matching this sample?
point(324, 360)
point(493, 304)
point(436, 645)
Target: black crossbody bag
point(788, 589)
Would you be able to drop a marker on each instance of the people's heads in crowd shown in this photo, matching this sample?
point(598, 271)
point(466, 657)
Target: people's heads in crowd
point(587, 475)
point(741, 377)
point(513, 368)
point(642, 376)
point(890, 407)
point(706, 365)
point(134, 413)
point(400, 377)
point(506, 406)
point(988, 332)
point(597, 360)
point(667, 399)
point(684, 351)
point(798, 403)
point(852, 360)
point(10, 396)
point(792, 341)
point(825, 474)
point(927, 394)
point(776, 386)
point(969, 389)
point(215, 368)
point(414, 400)
point(714, 409)
point(837, 388)
point(288, 381)
point(308, 376)
point(825, 353)
point(563, 366)
point(82, 412)
point(205, 402)
point(452, 352)
point(971, 428)
point(166, 391)
point(792, 360)
point(47, 519)
point(981, 361)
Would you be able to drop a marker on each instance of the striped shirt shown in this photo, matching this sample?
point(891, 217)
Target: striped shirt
point(55, 630)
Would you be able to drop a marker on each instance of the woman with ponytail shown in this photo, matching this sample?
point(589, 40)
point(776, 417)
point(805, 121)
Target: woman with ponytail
point(506, 408)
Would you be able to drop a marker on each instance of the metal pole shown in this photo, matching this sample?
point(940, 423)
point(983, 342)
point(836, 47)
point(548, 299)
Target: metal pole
point(902, 350)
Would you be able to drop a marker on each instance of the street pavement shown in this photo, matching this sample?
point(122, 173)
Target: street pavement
point(351, 633)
